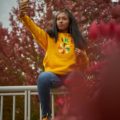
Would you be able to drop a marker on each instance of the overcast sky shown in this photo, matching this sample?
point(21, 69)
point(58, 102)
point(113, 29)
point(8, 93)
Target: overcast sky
point(5, 8)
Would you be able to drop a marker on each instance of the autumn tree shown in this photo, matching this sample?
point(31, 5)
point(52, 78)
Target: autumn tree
point(24, 55)
point(21, 57)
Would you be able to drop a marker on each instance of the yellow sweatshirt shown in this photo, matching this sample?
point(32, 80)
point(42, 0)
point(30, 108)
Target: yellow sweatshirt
point(60, 56)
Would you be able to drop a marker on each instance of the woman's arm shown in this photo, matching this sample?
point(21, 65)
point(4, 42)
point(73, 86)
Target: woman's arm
point(39, 34)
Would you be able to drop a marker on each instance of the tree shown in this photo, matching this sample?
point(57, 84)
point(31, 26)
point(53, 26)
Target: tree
point(24, 56)
point(21, 58)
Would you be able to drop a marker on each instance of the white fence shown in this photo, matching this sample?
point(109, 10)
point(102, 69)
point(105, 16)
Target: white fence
point(26, 92)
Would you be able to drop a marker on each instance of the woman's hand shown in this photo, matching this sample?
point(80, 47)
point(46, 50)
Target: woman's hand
point(82, 59)
point(79, 52)
point(23, 7)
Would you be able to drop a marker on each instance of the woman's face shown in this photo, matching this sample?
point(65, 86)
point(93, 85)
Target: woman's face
point(62, 22)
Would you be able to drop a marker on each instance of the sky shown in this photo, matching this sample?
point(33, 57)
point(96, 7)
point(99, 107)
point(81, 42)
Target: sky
point(5, 8)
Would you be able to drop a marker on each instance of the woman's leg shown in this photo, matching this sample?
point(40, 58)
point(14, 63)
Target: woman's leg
point(46, 81)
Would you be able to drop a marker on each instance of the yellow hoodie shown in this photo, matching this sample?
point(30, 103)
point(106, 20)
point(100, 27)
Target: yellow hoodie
point(60, 56)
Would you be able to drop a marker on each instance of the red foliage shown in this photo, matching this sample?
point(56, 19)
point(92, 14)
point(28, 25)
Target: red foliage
point(94, 32)
point(18, 52)
point(95, 93)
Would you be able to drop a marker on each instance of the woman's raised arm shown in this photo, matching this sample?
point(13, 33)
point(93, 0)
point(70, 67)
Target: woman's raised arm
point(39, 34)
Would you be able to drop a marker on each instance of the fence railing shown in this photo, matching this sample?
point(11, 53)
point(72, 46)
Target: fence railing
point(27, 92)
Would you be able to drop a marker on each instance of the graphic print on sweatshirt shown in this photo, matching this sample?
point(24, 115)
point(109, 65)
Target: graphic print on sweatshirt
point(64, 46)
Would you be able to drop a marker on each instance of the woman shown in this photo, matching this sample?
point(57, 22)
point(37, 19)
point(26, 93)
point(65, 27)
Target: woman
point(64, 47)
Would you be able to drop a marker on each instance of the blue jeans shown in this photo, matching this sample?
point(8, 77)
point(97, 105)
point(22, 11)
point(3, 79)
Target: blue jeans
point(46, 81)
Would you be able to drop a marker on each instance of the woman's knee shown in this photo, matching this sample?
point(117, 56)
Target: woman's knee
point(44, 77)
